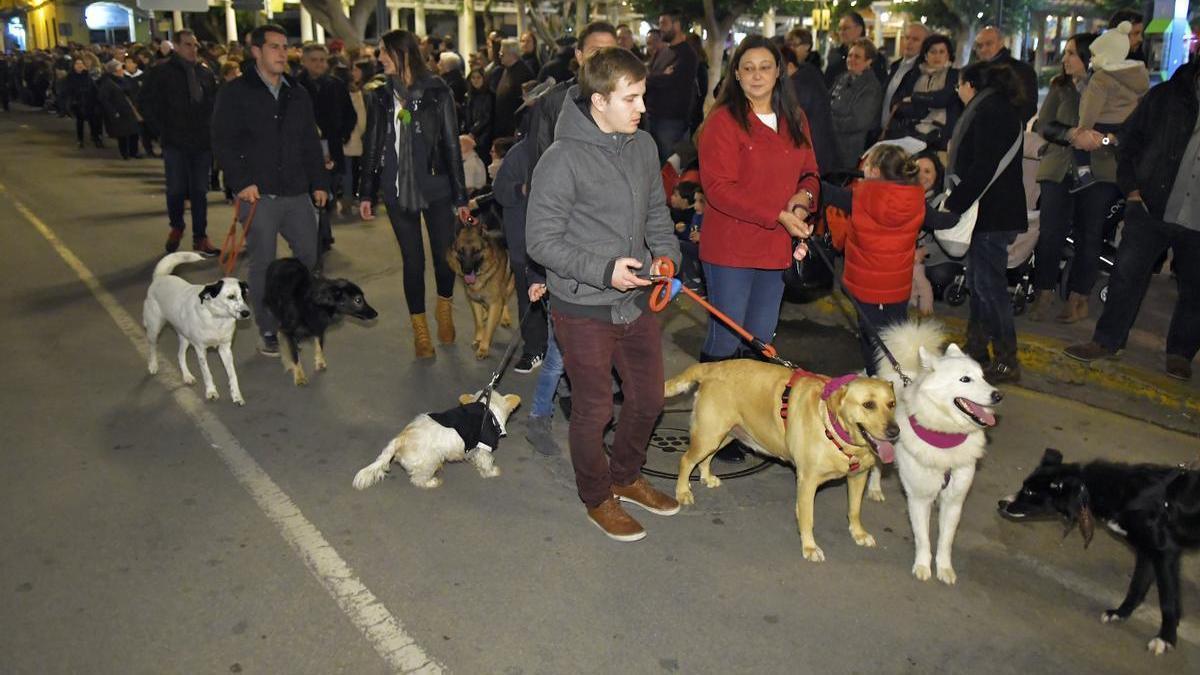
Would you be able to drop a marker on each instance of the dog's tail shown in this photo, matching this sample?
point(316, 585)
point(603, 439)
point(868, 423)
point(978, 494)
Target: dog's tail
point(684, 381)
point(172, 260)
point(905, 341)
point(375, 471)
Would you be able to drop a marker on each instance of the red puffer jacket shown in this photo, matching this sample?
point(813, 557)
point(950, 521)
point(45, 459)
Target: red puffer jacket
point(880, 243)
point(747, 180)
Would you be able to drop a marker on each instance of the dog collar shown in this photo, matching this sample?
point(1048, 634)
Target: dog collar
point(938, 439)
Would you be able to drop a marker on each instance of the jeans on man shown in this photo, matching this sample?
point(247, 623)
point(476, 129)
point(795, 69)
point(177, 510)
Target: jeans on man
point(187, 179)
point(1143, 240)
point(1083, 213)
point(991, 315)
point(293, 217)
point(548, 376)
point(590, 350)
point(750, 297)
point(666, 133)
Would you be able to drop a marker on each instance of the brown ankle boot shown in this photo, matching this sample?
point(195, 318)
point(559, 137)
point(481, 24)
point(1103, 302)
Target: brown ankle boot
point(445, 320)
point(1076, 308)
point(1043, 304)
point(422, 343)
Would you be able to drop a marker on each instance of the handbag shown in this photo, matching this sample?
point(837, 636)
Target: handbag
point(811, 279)
point(956, 240)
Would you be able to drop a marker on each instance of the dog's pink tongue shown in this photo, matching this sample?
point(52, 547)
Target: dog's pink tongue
point(469, 278)
point(986, 416)
point(887, 451)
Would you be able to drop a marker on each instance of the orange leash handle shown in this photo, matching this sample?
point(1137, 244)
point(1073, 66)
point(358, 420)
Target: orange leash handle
point(664, 290)
point(232, 246)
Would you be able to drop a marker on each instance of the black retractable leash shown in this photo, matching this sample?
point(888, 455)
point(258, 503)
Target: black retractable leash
point(867, 323)
point(486, 394)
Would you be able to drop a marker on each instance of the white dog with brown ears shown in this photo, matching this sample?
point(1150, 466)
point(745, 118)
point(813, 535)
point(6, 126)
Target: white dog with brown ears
point(432, 439)
point(942, 415)
point(203, 316)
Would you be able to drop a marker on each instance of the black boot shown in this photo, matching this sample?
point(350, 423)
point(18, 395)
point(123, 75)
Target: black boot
point(1005, 368)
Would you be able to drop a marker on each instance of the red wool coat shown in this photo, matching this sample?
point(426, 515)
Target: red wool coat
point(880, 241)
point(747, 180)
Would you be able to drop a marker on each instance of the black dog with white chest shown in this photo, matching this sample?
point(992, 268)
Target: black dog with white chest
point(306, 305)
point(1155, 508)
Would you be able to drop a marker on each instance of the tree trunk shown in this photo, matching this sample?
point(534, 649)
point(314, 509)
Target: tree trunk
point(714, 45)
point(582, 11)
point(330, 15)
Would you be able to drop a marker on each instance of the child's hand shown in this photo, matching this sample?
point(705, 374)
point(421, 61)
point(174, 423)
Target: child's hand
point(680, 227)
point(800, 252)
point(919, 257)
point(694, 237)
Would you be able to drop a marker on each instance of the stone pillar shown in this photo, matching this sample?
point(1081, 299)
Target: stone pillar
point(176, 20)
point(466, 28)
point(394, 24)
point(231, 34)
point(769, 23)
point(319, 33)
point(306, 25)
point(419, 16)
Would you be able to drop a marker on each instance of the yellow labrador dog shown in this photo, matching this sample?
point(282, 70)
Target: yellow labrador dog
point(828, 428)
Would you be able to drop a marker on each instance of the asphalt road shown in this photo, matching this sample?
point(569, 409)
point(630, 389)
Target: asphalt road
point(145, 530)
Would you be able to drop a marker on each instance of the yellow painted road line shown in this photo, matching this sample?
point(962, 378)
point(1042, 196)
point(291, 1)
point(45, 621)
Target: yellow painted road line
point(381, 628)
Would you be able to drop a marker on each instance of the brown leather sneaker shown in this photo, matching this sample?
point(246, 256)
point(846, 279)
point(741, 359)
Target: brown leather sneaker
point(1089, 351)
point(615, 523)
point(644, 495)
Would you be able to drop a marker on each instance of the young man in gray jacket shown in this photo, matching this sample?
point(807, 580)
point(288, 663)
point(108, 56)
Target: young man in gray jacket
point(597, 219)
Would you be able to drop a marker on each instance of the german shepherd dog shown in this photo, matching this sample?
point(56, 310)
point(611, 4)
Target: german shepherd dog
point(306, 305)
point(1154, 508)
point(481, 262)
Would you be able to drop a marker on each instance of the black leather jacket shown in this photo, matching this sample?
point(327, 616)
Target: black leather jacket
point(434, 122)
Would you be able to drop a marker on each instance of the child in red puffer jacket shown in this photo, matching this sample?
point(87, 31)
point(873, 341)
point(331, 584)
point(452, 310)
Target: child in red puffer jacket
point(885, 213)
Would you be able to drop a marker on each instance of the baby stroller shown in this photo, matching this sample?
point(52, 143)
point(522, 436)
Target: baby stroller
point(1108, 250)
point(948, 275)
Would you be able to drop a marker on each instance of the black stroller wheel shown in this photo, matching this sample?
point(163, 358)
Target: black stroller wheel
point(956, 294)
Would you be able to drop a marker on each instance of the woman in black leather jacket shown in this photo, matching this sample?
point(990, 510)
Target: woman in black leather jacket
point(412, 159)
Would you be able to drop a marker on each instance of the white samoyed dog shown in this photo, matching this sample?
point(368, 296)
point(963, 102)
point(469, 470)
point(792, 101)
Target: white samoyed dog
point(942, 416)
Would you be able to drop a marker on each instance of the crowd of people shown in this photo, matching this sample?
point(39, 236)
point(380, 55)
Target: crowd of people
point(597, 159)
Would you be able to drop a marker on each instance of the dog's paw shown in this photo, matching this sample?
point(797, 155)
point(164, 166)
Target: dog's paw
point(476, 341)
point(153, 368)
point(946, 575)
point(482, 352)
point(1111, 616)
point(685, 497)
point(189, 379)
point(711, 481)
point(429, 484)
point(921, 572)
point(490, 473)
point(814, 553)
point(299, 378)
point(876, 495)
point(237, 399)
point(319, 365)
point(212, 394)
point(506, 321)
point(863, 539)
point(1159, 646)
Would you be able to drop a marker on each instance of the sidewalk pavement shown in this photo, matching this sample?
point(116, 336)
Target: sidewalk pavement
point(1134, 384)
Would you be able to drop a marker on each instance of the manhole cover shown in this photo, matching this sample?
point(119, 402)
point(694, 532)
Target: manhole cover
point(669, 439)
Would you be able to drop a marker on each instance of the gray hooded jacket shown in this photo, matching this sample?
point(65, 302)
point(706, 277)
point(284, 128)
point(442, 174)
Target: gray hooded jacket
point(597, 197)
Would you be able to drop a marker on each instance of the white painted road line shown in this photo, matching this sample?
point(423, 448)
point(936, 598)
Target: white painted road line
point(381, 628)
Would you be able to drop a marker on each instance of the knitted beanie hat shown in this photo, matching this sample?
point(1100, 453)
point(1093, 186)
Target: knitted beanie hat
point(1112, 47)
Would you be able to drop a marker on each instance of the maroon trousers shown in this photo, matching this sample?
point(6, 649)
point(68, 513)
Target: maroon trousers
point(591, 349)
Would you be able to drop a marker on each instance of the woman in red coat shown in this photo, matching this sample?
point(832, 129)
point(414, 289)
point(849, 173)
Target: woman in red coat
point(759, 175)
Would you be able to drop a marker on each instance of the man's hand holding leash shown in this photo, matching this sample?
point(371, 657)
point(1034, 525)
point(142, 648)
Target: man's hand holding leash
point(624, 275)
